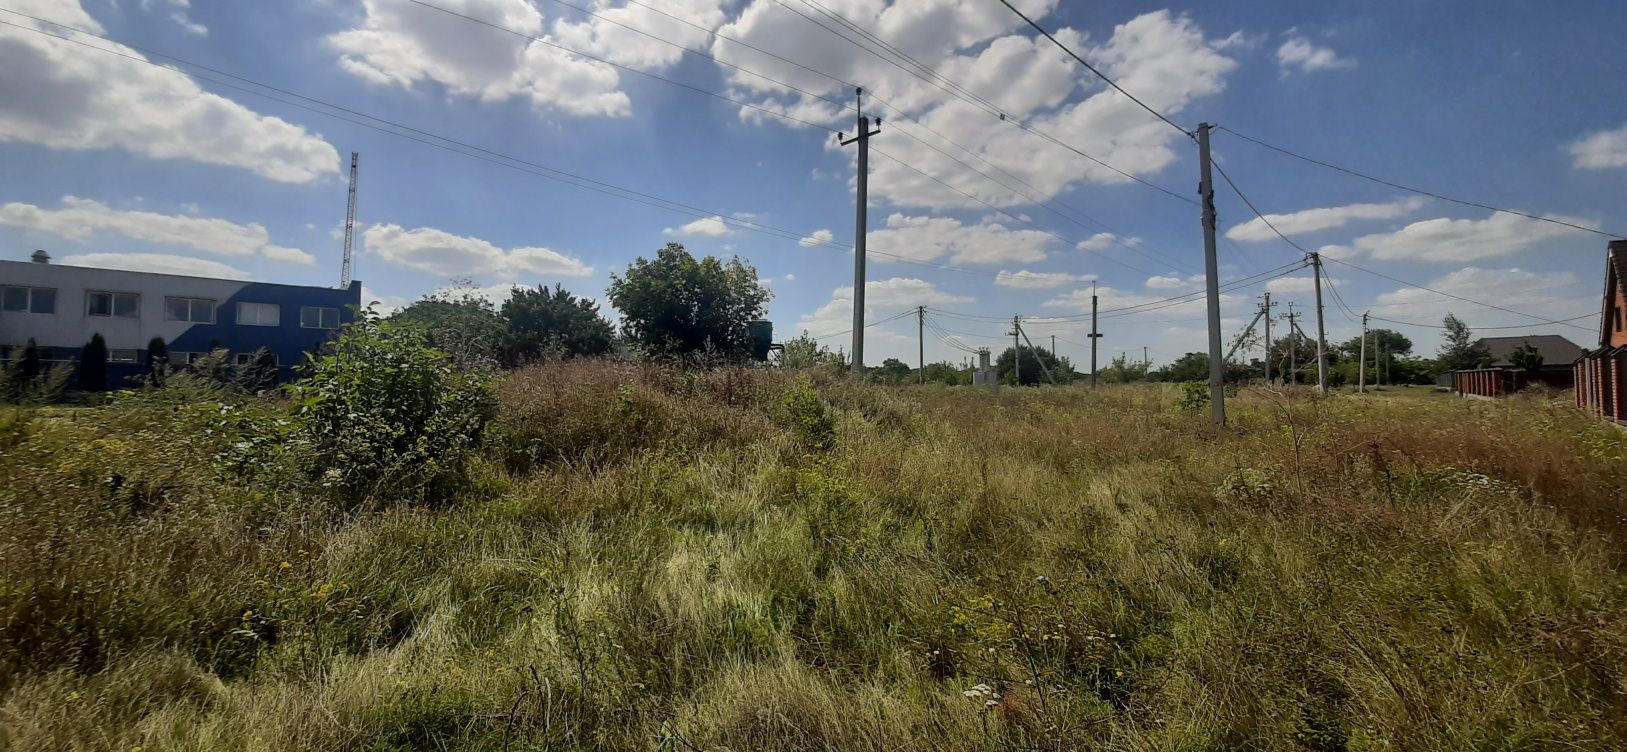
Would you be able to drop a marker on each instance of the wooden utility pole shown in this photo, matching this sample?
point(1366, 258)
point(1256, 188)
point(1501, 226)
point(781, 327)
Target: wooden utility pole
point(860, 226)
point(1211, 270)
point(1361, 363)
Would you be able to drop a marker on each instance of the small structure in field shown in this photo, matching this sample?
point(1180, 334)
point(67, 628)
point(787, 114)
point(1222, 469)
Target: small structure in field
point(1601, 374)
point(1519, 362)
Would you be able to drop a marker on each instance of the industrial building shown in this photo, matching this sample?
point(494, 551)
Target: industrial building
point(62, 307)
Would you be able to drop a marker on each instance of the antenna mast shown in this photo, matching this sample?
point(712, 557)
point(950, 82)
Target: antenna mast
point(350, 220)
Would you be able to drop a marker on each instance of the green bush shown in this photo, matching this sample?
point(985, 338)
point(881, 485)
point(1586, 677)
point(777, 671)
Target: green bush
point(805, 412)
point(1194, 396)
point(383, 411)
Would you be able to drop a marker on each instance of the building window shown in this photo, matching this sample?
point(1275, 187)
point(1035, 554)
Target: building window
point(17, 299)
point(259, 314)
point(247, 359)
point(194, 310)
point(124, 305)
point(122, 356)
point(313, 317)
point(184, 358)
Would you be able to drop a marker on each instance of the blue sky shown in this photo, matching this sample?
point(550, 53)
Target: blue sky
point(111, 161)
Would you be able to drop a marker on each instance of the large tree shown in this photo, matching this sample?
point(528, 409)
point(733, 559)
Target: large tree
point(1031, 372)
point(460, 321)
point(1460, 351)
point(553, 321)
point(675, 304)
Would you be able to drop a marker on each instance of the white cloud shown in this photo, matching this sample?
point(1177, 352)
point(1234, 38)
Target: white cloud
point(886, 296)
point(161, 263)
point(1028, 280)
point(80, 99)
point(1600, 151)
point(818, 237)
point(1301, 55)
point(711, 227)
point(289, 255)
point(604, 38)
point(1316, 220)
point(1460, 240)
point(1162, 57)
point(1111, 298)
point(1518, 289)
point(402, 44)
point(81, 218)
point(1097, 243)
point(387, 304)
point(1174, 282)
point(178, 15)
point(442, 253)
point(1300, 283)
point(930, 238)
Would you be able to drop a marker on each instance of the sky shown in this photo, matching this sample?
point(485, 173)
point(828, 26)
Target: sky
point(526, 142)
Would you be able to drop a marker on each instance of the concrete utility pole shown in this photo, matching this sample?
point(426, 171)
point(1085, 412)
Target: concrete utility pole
point(1146, 362)
point(920, 338)
point(1211, 271)
point(1094, 335)
point(1267, 309)
point(1361, 367)
point(1016, 350)
point(1041, 361)
point(1321, 332)
point(860, 227)
point(1293, 344)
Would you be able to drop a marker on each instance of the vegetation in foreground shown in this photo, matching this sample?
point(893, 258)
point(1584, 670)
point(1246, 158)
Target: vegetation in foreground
point(589, 555)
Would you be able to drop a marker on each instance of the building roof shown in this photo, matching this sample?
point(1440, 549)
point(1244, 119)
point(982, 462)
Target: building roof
point(1555, 349)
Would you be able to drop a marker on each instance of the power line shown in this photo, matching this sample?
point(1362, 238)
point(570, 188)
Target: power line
point(1092, 69)
point(849, 330)
point(1455, 297)
point(1483, 328)
point(451, 145)
point(1420, 191)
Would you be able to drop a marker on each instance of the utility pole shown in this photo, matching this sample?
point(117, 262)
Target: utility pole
point(1267, 309)
point(1094, 335)
point(860, 227)
point(1146, 362)
point(1016, 350)
point(1321, 333)
point(920, 338)
point(1211, 270)
point(1053, 345)
point(1361, 367)
point(1041, 361)
point(1293, 344)
point(350, 220)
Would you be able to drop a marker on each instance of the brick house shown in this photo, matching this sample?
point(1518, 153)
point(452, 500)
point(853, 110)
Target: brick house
point(1601, 375)
point(1502, 377)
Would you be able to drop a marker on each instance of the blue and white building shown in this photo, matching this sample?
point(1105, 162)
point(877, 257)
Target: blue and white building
point(62, 307)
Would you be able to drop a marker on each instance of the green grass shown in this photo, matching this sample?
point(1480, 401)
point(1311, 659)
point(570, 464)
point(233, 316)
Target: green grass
point(643, 558)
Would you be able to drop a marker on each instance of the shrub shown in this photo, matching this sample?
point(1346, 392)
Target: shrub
point(806, 414)
point(382, 409)
point(1194, 396)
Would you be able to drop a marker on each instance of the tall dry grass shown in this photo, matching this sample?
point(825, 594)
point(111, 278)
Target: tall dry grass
point(647, 558)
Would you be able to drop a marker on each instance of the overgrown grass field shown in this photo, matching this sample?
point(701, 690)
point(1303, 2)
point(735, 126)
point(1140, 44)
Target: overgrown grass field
point(737, 559)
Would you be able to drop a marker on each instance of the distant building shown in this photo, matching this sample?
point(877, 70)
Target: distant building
point(61, 307)
point(1503, 377)
point(1601, 375)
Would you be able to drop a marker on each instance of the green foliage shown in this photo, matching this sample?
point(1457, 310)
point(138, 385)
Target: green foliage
point(808, 417)
point(1460, 351)
point(92, 373)
point(260, 372)
point(1125, 371)
point(1526, 357)
point(156, 366)
point(803, 351)
point(892, 371)
point(383, 410)
point(543, 322)
point(946, 373)
point(461, 322)
point(1188, 367)
point(1032, 373)
point(25, 381)
point(676, 305)
point(1194, 396)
